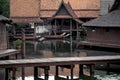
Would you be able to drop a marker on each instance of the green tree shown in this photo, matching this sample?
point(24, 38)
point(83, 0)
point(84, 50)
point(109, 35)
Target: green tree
point(5, 7)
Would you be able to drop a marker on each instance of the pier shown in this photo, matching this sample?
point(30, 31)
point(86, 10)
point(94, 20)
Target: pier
point(60, 61)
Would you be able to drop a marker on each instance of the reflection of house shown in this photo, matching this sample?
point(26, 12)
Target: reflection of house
point(3, 32)
point(61, 14)
point(105, 30)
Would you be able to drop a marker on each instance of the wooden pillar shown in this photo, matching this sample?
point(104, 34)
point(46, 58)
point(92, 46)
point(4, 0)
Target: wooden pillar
point(92, 67)
point(71, 37)
point(6, 74)
point(35, 46)
point(56, 74)
point(55, 27)
point(7, 39)
point(70, 27)
point(67, 77)
point(77, 38)
point(62, 22)
point(6, 70)
point(14, 74)
point(35, 73)
point(46, 73)
point(13, 29)
point(57, 71)
point(34, 32)
point(23, 51)
point(72, 66)
point(108, 66)
point(81, 70)
point(16, 56)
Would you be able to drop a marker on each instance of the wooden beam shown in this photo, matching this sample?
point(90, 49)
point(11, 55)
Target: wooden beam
point(58, 61)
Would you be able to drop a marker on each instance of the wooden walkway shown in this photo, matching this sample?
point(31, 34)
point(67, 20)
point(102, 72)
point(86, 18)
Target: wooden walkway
point(45, 63)
point(59, 61)
point(8, 52)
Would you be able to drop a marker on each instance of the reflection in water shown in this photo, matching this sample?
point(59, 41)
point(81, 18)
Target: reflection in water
point(56, 48)
point(61, 48)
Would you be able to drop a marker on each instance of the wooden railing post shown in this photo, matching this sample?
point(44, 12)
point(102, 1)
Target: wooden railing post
point(35, 73)
point(23, 51)
point(81, 69)
point(6, 73)
point(23, 44)
point(92, 67)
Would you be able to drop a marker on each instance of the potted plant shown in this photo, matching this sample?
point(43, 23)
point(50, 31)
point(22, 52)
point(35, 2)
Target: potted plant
point(17, 43)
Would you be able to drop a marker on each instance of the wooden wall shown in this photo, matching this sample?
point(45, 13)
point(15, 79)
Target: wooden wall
point(104, 35)
point(3, 37)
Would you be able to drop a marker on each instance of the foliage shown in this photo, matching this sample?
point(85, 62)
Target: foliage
point(5, 7)
point(17, 42)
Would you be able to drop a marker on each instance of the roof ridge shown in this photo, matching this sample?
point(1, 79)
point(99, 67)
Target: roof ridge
point(68, 8)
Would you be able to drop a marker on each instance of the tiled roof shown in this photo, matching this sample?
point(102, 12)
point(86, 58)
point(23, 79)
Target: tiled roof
point(69, 12)
point(75, 4)
point(23, 8)
point(105, 6)
point(26, 19)
point(84, 4)
point(47, 8)
point(109, 20)
point(82, 8)
point(50, 4)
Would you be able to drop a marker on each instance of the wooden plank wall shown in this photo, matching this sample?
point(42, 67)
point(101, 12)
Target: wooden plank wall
point(3, 37)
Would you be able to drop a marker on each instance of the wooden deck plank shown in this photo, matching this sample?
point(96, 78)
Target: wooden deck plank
point(8, 52)
point(58, 61)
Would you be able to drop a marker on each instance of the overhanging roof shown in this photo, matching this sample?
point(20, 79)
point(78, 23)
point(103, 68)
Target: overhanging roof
point(26, 20)
point(70, 13)
point(109, 20)
point(67, 9)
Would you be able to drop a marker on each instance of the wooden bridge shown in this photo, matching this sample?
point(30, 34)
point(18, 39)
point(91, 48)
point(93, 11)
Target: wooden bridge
point(8, 52)
point(59, 61)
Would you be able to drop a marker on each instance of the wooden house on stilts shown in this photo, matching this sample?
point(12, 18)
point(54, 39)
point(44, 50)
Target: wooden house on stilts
point(104, 31)
point(62, 15)
point(25, 13)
